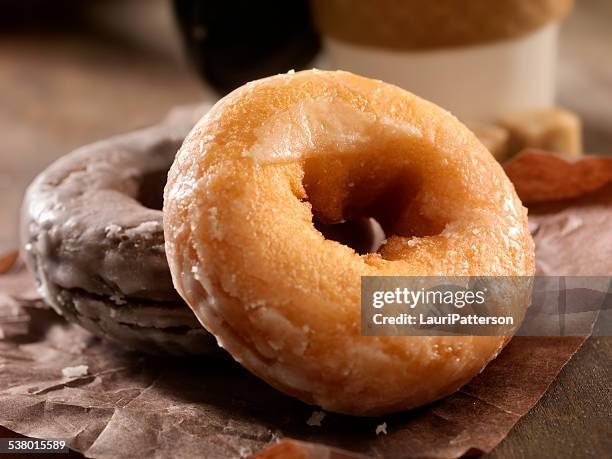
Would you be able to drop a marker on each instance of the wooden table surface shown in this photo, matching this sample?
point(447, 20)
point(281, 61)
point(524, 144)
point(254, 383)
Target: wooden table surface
point(69, 85)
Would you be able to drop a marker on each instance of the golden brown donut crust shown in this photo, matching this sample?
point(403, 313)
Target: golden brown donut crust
point(428, 24)
point(285, 301)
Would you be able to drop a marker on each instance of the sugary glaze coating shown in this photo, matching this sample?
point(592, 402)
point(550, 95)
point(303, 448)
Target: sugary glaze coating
point(92, 235)
point(279, 153)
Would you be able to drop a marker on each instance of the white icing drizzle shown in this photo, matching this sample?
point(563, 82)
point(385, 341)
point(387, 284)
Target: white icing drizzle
point(316, 127)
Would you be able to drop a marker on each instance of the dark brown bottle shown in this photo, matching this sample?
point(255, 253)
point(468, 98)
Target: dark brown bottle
point(232, 42)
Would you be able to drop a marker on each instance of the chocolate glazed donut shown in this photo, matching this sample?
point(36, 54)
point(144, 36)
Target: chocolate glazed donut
point(92, 234)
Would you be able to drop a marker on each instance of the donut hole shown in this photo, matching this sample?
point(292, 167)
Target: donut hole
point(151, 189)
point(348, 192)
point(363, 235)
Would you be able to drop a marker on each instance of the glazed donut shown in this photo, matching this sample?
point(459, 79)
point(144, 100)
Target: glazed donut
point(92, 235)
point(280, 154)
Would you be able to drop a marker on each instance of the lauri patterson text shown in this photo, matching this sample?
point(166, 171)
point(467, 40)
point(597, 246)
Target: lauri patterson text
point(448, 319)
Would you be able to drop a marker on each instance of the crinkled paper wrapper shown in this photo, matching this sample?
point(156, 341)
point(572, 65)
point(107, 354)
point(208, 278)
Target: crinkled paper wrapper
point(131, 405)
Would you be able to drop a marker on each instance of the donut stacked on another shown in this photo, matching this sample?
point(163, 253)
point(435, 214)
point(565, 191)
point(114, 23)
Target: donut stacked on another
point(92, 234)
point(278, 156)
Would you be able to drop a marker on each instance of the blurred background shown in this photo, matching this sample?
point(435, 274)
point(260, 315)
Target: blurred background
point(72, 72)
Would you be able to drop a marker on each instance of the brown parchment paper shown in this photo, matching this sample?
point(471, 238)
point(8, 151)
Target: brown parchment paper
point(130, 405)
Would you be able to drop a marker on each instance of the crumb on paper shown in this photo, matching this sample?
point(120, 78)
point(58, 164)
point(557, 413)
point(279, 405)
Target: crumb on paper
point(381, 429)
point(117, 299)
point(75, 372)
point(315, 418)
